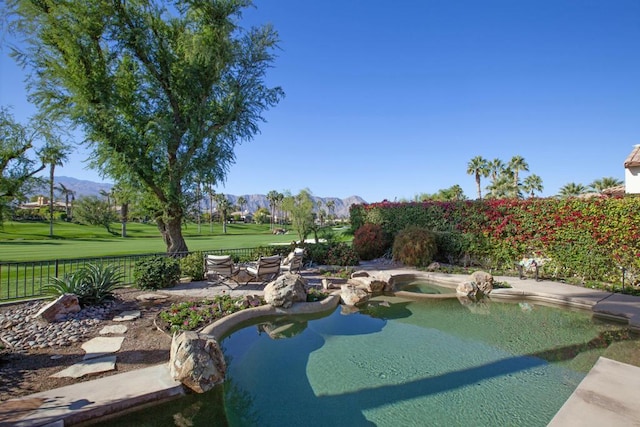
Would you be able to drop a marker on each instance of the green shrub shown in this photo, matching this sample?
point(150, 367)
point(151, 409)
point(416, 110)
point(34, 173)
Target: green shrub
point(193, 266)
point(415, 246)
point(370, 241)
point(156, 273)
point(342, 254)
point(452, 246)
point(317, 253)
point(92, 284)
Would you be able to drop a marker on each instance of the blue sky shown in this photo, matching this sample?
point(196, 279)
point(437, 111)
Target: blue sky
point(388, 100)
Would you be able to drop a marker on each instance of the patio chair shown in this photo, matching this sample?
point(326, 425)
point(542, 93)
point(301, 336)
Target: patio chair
point(293, 261)
point(220, 268)
point(267, 268)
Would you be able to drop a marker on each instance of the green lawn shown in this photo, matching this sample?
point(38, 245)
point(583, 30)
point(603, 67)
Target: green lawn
point(29, 241)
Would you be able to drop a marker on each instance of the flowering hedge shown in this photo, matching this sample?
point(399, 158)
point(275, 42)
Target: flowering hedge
point(587, 238)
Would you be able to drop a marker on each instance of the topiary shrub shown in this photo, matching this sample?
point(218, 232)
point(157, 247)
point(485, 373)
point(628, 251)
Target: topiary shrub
point(415, 246)
point(193, 266)
point(370, 241)
point(156, 273)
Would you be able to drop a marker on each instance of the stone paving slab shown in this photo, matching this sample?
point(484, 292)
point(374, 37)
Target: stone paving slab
point(99, 346)
point(127, 315)
point(113, 329)
point(607, 396)
point(91, 399)
point(87, 367)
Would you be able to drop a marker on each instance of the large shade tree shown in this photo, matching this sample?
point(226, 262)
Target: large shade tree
point(18, 162)
point(163, 92)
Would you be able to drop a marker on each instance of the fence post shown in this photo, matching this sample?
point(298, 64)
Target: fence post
point(56, 269)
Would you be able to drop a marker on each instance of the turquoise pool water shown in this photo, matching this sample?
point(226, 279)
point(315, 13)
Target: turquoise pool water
point(398, 362)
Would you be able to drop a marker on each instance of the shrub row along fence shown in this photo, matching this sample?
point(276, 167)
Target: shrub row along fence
point(591, 239)
point(24, 280)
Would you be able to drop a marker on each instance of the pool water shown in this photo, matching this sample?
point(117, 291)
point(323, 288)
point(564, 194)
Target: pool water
point(399, 362)
point(423, 287)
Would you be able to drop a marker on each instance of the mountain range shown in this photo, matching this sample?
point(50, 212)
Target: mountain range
point(254, 201)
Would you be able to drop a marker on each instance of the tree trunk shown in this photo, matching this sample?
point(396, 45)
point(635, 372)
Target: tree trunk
point(124, 215)
point(170, 227)
point(51, 175)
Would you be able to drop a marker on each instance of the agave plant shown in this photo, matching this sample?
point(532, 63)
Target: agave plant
point(99, 282)
point(69, 284)
point(92, 284)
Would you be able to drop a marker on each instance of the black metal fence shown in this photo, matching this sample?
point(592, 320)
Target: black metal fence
point(24, 280)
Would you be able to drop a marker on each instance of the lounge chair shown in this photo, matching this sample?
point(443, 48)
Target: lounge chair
point(267, 268)
point(293, 262)
point(220, 268)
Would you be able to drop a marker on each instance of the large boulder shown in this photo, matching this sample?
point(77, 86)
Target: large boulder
point(352, 295)
point(483, 280)
point(197, 361)
point(377, 282)
point(467, 289)
point(286, 290)
point(58, 309)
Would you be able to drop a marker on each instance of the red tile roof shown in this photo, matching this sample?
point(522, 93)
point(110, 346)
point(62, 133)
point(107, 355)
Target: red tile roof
point(634, 157)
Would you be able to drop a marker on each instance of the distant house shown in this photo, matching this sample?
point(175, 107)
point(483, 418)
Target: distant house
point(632, 171)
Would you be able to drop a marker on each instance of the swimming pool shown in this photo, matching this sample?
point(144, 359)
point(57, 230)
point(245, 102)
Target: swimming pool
point(399, 361)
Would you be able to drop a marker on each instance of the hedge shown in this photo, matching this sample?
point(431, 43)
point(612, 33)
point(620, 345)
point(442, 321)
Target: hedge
point(587, 238)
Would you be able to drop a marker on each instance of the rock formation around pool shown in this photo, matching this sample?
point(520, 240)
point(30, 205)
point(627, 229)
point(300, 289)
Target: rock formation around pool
point(286, 290)
point(197, 361)
point(479, 284)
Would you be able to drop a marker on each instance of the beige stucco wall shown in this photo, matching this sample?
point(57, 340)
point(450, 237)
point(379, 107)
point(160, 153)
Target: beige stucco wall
point(632, 180)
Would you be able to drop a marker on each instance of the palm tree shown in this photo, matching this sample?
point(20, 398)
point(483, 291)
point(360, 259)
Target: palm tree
point(532, 184)
point(600, 185)
point(211, 192)
point(223, 209)
point(123, 195)
point(279, 199)
point(107, 195)
point(479, 167)
point(66, 193)
point(272, 197)
point(572, 190)
point(331, 205)
point(456, 192)
point(502, 187)
point(54, 153)
point(496, 166)
point(516, 164)
point(242, 202)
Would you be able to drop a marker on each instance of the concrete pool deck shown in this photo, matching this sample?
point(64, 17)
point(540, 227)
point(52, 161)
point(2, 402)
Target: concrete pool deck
point(604, 397)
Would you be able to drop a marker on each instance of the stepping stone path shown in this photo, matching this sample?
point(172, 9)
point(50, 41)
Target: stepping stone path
point(96, 348)
point(86, 367)
point(99, 346)
point(126, 315)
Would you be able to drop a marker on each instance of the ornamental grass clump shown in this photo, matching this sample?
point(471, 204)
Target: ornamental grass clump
point(415, 246)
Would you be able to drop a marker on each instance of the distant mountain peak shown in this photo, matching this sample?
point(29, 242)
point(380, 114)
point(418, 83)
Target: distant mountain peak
point(83, 187)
